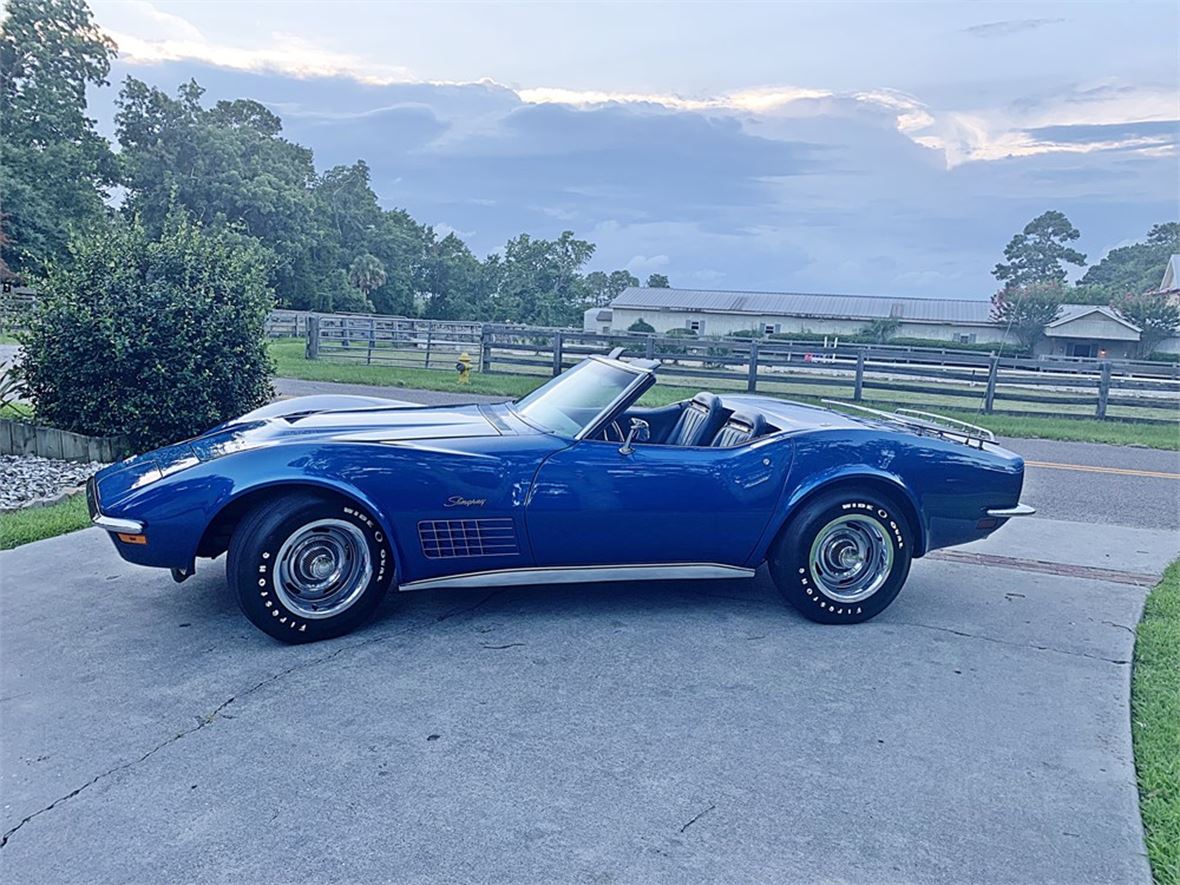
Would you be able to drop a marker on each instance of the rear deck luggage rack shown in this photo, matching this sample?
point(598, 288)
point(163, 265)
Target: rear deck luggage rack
point(930, 422)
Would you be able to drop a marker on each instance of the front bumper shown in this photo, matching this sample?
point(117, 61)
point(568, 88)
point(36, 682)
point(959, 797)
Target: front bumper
point(109, 523)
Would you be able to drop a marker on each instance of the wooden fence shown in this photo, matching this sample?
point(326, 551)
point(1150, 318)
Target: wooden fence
point(962, 381)
point(16, 303)
point(393, 341)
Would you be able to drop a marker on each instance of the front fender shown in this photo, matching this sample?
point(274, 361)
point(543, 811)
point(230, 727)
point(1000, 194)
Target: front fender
point(177, 510)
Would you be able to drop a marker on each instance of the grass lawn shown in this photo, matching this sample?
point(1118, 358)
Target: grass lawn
point(35, 523)
point(1155, 725)
point(288, 355)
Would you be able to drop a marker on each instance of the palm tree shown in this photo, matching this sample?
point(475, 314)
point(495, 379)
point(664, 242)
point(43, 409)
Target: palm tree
point(367, 273)
point(881, 330)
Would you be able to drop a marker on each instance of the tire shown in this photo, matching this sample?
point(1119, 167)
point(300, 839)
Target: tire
point(843, 558)
point(306, 567)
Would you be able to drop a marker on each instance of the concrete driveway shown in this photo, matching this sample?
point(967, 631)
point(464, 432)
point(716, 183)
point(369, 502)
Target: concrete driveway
point(977, 731)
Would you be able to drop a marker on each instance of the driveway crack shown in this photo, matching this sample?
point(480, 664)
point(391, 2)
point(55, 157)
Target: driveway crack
point(1060, 651)
point(209, 718)
point(697, 817)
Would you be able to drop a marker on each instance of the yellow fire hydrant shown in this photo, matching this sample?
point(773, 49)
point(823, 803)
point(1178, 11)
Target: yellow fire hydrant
point(463, 367)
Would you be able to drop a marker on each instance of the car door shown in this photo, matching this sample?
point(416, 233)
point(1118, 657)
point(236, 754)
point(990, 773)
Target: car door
point(593, 504)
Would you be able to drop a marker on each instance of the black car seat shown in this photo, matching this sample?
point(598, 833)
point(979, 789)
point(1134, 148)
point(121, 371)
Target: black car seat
point(698, 422)
point(741, 427)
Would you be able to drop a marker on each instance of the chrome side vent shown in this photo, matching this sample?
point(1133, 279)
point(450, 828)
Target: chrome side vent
point(455, 538)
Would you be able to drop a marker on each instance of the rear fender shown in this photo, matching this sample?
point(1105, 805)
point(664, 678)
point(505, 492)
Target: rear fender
point(845, 475)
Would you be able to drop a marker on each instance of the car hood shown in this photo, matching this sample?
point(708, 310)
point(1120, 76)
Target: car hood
point(303, 422)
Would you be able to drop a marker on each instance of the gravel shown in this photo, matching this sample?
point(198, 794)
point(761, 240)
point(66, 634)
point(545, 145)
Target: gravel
point(27, 478)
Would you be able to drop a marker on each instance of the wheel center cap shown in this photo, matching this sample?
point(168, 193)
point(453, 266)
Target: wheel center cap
point(849, 558)
point(321, 566)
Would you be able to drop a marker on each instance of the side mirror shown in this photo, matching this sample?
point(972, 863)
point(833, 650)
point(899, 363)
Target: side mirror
point(640, 432)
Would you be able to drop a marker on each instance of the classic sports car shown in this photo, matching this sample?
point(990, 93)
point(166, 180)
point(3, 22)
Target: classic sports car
point(325, 502)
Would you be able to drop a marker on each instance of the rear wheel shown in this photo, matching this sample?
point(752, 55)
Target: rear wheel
point(306, 567)
point(844, 557)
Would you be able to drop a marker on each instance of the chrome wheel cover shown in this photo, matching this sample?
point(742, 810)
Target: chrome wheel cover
point(322, 568)
point(851, 558)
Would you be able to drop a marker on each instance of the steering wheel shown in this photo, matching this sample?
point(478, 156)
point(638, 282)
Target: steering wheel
point(613, 432)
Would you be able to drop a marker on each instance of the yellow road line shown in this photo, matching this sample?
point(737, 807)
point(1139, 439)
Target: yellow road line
point(1091, 468)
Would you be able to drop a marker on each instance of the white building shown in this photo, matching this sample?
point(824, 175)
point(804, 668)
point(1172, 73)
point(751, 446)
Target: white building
point(1081, 330)
point(710, 312)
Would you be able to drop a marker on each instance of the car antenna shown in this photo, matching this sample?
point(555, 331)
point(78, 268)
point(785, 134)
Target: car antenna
point(615, 353)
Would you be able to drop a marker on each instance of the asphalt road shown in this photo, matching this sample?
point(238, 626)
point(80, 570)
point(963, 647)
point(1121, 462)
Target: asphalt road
point(976, 732)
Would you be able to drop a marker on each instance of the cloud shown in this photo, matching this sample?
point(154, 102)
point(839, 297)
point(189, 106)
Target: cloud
point(1010, 27)
point(640, 264)
point(754, 100)
point(1148, 132)
point(958, 132)
point(286, 53)
point(443, 230)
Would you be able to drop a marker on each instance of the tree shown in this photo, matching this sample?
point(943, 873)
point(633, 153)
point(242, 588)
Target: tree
point(452, 284)
point(658, 281)
point(881, 330)
point(1154, 313)
point(54, 166)
point(1025, 310)
point(538, 280)
point(602, 288)
point(366, 273)
point(227, 165)
point(1135, 268)
point(619, 280)
point(159, 338)
point(643, 326)
point(1035, 254)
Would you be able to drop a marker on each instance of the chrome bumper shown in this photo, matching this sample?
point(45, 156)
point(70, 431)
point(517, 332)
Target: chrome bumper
point(109, 523)
point(1007, 512)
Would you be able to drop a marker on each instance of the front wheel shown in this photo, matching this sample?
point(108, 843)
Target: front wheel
point(843, 557)
point(306, 567)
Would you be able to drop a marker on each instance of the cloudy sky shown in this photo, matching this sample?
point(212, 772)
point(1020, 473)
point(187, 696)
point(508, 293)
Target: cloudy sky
point(878, 148)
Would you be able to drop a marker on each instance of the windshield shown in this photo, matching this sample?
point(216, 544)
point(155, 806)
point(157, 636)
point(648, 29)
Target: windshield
point(570, 402)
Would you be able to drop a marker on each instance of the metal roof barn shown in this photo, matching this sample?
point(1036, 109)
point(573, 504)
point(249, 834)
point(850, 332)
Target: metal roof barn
point(803, 304)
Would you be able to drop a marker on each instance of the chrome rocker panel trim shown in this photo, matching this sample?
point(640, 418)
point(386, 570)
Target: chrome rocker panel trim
point(1007, 512)
point(583, 575)
point(114, 524)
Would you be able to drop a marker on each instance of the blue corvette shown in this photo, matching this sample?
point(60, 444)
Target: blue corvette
point(325, 502)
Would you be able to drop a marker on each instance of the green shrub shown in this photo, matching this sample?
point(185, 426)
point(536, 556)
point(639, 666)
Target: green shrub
point(676, 333)
point(641, 325)
point(155, 339)
point(1160, 356)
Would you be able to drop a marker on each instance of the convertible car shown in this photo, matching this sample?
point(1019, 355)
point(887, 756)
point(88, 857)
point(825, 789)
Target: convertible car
point(324, 503)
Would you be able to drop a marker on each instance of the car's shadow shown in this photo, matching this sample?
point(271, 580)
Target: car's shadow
point(206, 598)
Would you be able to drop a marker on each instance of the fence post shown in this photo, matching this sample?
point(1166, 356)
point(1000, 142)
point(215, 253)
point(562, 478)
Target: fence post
point(993, 371)
point(313, 338)
point(558, 340)
point(429, 339)
point(650, 347)
point(485, 348)
point(1103, 390)
point(859, 387)
point(372, 337)
point(752, 374)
